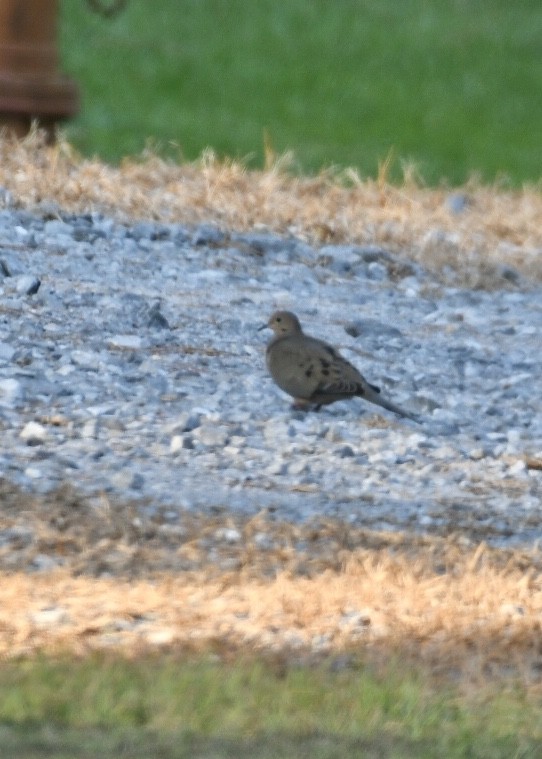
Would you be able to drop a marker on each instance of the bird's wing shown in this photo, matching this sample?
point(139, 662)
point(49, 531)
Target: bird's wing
point(334, 374)
point(311, 369)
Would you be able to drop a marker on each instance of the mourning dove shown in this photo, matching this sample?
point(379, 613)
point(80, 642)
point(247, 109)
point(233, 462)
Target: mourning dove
point(312, 371)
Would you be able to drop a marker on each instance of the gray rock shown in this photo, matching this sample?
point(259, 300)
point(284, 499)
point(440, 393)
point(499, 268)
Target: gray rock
point(10, 266)
point(458, 202)
point(156, 319)
point(371, 328)
point(56, 227)
point(207, 234)
point(6, 352)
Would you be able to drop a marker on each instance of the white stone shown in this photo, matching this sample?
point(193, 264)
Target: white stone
point(10, 392)
point(176, 443)
point(33, 433)
point(50, 617)
point(519, 467)
point(129, 342)
point(228, 534)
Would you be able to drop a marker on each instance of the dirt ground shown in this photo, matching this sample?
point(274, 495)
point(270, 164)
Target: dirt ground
point(79, 574)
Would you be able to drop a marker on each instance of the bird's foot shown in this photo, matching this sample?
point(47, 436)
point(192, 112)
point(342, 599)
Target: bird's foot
point(305, 406)
point(298, 406)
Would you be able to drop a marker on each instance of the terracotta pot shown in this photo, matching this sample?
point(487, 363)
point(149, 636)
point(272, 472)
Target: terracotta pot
point(31, 86)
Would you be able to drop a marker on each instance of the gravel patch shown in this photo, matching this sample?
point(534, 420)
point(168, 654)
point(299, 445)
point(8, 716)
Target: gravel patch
point(131, 368)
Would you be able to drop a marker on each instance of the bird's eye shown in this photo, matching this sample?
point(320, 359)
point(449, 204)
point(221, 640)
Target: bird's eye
point(279, 318)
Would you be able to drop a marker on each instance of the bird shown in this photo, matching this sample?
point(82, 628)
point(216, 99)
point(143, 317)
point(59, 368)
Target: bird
point(313, 372)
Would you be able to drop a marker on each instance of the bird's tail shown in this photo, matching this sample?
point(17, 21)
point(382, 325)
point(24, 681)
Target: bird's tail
point(374, 397)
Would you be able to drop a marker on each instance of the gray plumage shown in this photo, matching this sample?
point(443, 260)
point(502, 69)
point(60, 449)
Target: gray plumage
point(312, 371)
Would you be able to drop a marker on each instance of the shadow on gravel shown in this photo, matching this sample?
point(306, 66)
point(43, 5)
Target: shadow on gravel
point(98, 537)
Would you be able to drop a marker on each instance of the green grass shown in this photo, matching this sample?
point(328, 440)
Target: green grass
point(451, 85)
point(166, 707)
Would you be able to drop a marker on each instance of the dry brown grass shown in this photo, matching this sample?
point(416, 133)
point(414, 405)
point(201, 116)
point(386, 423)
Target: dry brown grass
point(318, 589)
point(499, 226)
point(478, 618)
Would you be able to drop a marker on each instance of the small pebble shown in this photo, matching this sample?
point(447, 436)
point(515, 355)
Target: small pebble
point(33, 433)
point(28, 285)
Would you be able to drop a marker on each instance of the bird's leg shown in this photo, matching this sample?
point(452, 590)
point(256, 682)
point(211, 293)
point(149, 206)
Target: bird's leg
point(300, 405)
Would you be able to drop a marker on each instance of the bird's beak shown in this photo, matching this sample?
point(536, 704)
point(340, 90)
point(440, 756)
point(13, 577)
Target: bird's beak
point(263, 326)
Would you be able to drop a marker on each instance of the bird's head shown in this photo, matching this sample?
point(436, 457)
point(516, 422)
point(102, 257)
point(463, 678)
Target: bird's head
point(283, 323)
